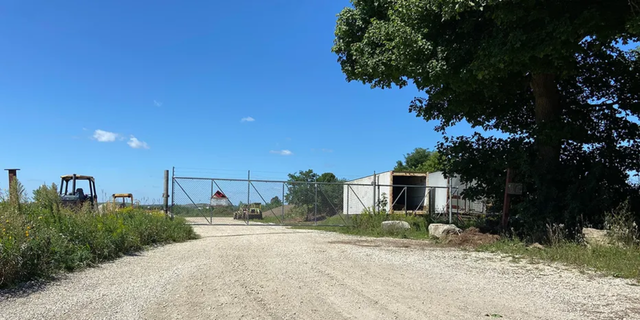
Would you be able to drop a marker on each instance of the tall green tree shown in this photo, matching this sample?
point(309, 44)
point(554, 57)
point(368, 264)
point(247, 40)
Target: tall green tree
point(421, 160)
point(551, 76)
point(307, 188)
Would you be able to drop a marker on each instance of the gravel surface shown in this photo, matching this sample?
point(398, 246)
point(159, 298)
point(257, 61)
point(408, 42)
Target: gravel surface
point(266, 272)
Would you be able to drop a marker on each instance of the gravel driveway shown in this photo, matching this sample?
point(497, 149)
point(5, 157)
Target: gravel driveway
point(265, 272)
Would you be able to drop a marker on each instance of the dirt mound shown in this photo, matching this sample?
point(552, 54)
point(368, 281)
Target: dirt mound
point(277, 211)
point(471, 237)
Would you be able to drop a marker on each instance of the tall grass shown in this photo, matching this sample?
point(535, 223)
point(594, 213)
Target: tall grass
point(40, 238)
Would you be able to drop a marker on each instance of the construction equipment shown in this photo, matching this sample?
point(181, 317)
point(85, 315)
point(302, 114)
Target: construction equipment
point(77, 197)
point(124, 197)
point(252, 211)
point(255, 211)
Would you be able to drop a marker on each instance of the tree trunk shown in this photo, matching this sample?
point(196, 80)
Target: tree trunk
point(547, 112)
point(548, 143)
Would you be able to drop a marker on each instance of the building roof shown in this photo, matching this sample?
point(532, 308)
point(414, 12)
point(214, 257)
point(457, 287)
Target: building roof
point(218, 194)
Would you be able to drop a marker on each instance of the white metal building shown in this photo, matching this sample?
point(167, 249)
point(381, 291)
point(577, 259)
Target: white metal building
point(410, 192)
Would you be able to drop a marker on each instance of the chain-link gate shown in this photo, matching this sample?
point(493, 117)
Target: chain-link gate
point(287, 203)
point(264, 202)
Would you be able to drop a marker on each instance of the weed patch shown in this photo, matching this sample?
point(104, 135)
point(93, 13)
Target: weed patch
point(39, 239)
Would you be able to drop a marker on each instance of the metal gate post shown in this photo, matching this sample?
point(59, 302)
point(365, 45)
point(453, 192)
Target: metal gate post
point(315, 204)
point(210, 206)
point(348, 191)
point(165, 194)
point(374, 192)
point(450, 201)
point(248, 196)
point(173, 191)
point(405, 200)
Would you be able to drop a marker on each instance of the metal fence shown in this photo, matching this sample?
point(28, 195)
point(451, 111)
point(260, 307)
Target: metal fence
point(249, 202)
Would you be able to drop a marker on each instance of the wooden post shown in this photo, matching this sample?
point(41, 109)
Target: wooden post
point(505, 206)
point(13, 185)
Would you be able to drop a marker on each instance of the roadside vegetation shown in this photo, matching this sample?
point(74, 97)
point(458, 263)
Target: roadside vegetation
point(39, 238)
point(615, 253)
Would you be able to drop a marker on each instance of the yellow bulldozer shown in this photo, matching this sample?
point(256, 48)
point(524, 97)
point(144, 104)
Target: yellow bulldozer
point(124, 197)
point(252, 211)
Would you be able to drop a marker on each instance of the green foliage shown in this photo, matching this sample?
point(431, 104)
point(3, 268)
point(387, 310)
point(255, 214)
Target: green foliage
point(621, 227)
point(421, 160)
point(39, 239)
point(275, 202)
point(303, 192)
point(370, 224)
point(549, 75)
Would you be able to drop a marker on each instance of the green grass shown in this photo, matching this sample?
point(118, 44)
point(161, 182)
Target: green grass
point(623, 262)
point(370, 225)
point(40, 239)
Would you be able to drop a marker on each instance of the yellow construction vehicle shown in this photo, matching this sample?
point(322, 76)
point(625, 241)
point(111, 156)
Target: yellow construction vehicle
point(252, 211)
point(124, 197)
point(77, 196)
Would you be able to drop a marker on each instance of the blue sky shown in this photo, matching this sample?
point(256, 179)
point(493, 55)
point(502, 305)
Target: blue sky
point(168, 84)
point(123, 90)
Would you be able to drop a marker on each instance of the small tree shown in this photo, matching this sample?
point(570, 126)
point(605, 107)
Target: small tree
point(303, 192)
point(275, 202)
point(421, 160)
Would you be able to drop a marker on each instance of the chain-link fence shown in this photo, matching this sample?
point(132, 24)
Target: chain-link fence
point(245, 201)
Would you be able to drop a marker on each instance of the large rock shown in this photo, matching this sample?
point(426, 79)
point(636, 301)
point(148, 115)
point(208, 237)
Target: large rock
point(595, 236)
point(395, 226)
point(440, 230)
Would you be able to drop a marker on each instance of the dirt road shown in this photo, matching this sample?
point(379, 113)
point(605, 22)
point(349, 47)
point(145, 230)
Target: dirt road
point(264, 272)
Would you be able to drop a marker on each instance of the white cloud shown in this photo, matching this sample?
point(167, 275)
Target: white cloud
point(327, 150)
point(137, 144)
point(282, 152)
point(158, 104)
point(105, 136)
point(247, 119)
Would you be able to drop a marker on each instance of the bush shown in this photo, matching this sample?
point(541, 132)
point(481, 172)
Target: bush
point(621, 226)
point(39, 239)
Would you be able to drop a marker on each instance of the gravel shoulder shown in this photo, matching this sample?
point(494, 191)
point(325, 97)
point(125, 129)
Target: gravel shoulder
point(267, 272)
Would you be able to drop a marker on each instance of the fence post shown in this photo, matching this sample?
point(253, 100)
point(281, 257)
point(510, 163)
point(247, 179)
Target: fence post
point(173, 190)
point(348, 191)
point(405, 200)
point(450, 201)
point(13, 185)
point(374, 193)
point(165, 194)
point(248, 195)
point(315, 204)
point(505, 205)
point(283, 186)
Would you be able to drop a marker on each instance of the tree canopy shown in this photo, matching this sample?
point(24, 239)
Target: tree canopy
point(553, 76)
point(421, 160)
point(302, 191)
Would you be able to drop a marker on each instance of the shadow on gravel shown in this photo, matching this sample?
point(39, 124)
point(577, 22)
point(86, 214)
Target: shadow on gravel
point(386, 242)
point(28, 288)
point(251, 234)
